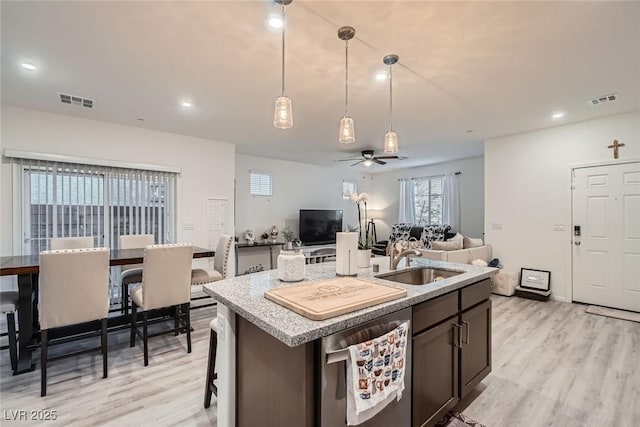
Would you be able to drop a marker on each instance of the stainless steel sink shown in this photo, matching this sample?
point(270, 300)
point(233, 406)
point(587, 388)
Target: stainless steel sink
point(418, 276)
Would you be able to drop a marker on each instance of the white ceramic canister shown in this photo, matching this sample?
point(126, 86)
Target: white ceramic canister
point(291, 266)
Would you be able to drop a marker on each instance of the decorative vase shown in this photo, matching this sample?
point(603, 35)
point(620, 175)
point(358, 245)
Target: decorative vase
point(346, 254)
point(250, 241)
point(291, 266)
point(364, 258)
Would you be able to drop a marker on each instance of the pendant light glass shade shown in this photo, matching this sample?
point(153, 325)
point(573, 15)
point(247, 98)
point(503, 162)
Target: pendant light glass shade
point(283, 116)
point(390, 138)
point(390, 142)
point(347, 132)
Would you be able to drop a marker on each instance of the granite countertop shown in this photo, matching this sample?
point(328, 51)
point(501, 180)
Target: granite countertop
point(245, 296)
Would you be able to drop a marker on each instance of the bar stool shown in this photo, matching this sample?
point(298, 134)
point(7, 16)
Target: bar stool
point(59, 243)
point(209, 386)
point(74, 289)
point(165, 283)
point(9, 306)
point(131, 273)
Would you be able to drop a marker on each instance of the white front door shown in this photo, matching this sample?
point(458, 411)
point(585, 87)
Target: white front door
point(606, 255)
point(217, 221)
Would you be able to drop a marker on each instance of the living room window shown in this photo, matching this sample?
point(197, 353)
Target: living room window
point(429, 200)
point(260, 183)
point(348, 187)
point(71, 200)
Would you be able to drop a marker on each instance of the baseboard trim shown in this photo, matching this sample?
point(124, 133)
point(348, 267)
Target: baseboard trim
point(558, 298)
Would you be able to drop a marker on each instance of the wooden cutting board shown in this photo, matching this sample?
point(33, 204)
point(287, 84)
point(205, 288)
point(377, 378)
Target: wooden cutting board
point(330, 298)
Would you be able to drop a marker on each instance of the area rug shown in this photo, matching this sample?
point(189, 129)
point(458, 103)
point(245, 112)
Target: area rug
point(456, 419)
point(611, 312)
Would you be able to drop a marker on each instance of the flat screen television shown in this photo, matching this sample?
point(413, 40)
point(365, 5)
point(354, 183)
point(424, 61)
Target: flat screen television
point(319, 226)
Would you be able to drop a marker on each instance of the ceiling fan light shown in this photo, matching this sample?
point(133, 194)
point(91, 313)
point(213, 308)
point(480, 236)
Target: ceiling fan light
point(283, 116)
point(390, 142)
point(347, 133)
point(367, 162)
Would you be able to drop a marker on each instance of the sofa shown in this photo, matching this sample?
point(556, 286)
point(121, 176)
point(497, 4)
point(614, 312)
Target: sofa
point(422, 238)
point(423, 235)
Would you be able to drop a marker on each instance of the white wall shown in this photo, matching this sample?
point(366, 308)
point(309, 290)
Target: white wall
point(527, 190)
point(295, 186)
point(386, 195)
point(207, 166)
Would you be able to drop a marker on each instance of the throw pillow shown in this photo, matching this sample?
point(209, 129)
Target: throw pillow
point(451, 245)
point(457, 238)
point(479, 262)
point(469, 242)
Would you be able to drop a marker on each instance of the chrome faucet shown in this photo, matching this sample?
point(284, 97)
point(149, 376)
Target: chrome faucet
point(394, 258)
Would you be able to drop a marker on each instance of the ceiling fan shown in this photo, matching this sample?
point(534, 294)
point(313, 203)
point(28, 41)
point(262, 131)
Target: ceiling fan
point(368, 158)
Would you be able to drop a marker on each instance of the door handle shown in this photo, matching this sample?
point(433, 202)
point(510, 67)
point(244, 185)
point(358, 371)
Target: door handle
point(576, 243)
point(458, 341)
point(466, 341)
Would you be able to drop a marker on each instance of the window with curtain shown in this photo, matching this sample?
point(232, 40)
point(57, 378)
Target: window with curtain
point(70, 200)
point(348, 187)
point(429, 200)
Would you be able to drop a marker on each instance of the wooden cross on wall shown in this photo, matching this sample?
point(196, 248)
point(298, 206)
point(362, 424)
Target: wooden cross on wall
point(615, 147)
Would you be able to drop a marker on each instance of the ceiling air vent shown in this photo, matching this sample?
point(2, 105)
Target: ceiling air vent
point(603, 99)
point(65, 98)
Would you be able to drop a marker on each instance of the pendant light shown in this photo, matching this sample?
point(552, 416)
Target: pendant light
point(346, 134)
point(283, 116)
point(390, 138)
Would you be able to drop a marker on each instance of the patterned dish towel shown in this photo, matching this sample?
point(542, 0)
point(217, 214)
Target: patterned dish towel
point(375, 374)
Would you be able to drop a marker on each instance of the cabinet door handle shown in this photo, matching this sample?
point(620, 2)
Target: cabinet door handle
point(465, 340)
point(457, 341)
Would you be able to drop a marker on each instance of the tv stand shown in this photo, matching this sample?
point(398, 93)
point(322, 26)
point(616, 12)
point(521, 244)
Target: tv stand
point(319, 253)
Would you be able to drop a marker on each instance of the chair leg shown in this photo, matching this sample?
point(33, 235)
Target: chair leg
point(13, 345)
point(104, 348)
point(125, 298)
point(145, 337)
point(132, 338)
point(44, 341)
point(188, 320)
point(209, 386)
point(176, 319)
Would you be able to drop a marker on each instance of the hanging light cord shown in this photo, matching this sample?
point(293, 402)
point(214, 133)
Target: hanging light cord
point(283, 27)
point(390, 97)
point(346, 78)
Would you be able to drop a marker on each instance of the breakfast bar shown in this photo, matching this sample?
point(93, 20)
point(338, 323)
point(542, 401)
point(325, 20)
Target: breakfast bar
point(272, 362)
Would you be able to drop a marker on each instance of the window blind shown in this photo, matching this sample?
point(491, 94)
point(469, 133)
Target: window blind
point(69, 200)
point(429, 200)
point(260, 183)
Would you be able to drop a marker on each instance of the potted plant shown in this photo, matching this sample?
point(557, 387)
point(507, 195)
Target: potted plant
point(250, 237)
point(288, 235)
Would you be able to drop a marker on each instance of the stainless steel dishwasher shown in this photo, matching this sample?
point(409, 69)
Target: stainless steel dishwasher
point(333, 402)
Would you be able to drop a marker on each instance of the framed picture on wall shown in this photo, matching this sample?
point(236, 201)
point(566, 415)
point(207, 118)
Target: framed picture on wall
point(535, 279)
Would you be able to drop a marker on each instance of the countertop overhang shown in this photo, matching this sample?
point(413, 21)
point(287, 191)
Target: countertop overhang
point(245, 296)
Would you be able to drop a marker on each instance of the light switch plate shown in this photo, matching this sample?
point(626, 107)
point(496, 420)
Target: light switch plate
point(187, 226)
point(558, 226)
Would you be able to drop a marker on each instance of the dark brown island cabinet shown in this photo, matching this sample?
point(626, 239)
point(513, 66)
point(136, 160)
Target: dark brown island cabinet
point(451, 350)
point(280, 385)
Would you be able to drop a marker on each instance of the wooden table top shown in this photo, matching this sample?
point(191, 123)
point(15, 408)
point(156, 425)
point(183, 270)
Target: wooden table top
point(29, 264)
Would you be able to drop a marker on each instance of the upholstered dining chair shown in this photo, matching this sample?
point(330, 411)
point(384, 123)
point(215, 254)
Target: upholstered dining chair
point(200, 276)
point(9, 306)
point(131, 273)
point(166, 280)
point(58, 243)
point(74, 288)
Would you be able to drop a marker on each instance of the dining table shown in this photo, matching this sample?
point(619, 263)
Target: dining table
point(27, 268)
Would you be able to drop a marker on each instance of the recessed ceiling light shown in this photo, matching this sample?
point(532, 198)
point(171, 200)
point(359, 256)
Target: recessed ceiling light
point(381, 76)
point(28, 66)
point(275, 22)
point(140, 119)
point(469, 130)
point(186, 104)
point(558, 115)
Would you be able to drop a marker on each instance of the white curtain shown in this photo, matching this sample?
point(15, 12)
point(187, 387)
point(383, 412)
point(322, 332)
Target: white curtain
point(407, 212)
point(452, 201)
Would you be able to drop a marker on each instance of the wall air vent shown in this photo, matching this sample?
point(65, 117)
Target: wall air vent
point(602, 99)
point(65, 98)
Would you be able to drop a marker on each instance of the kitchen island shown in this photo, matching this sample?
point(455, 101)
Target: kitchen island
point(269, 358)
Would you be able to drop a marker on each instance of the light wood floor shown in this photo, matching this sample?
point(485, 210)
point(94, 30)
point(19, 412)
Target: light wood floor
point(553, 365)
